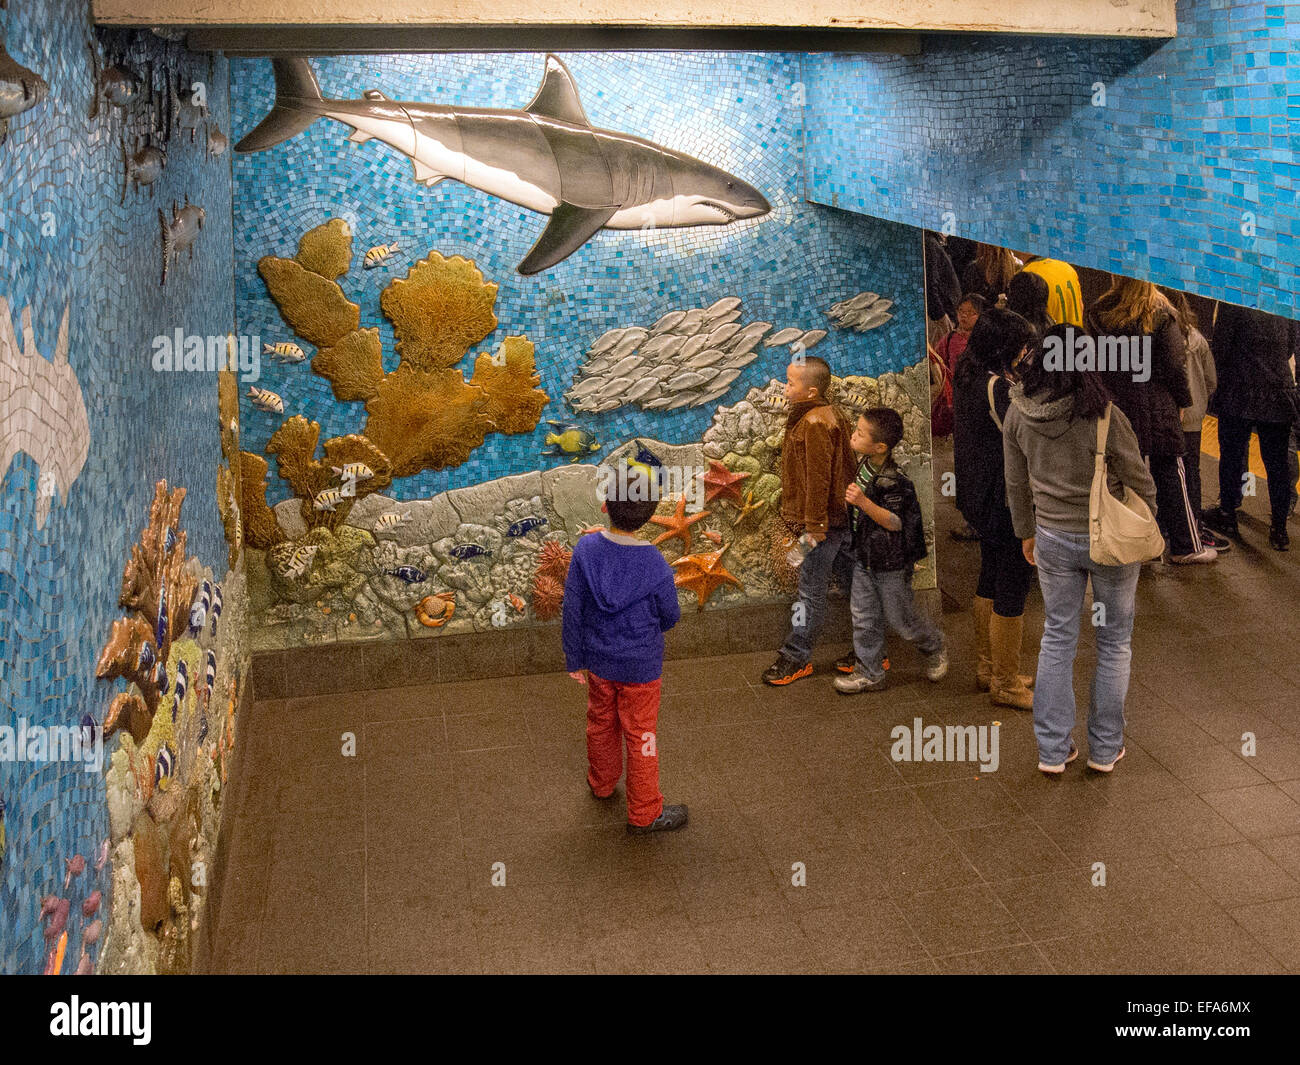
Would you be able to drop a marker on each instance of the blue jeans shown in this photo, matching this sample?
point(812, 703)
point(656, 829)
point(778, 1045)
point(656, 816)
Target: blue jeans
point(887, 597)
point(1064, 568)
point(814, 579)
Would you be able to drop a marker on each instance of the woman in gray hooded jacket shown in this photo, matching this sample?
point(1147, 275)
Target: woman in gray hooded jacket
point(1049, 444)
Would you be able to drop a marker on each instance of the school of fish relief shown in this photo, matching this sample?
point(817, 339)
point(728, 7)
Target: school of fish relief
point(345, 560)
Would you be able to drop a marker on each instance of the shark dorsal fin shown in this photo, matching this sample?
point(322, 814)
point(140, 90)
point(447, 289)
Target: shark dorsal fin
point(374, 94)
point(557, 96)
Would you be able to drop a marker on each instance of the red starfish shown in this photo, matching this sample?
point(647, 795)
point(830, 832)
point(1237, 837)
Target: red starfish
point(702, 574)
point(720, 481)
point(679, 525)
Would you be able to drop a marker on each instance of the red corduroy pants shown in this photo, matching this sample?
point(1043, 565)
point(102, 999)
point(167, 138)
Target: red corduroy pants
point(619, 714)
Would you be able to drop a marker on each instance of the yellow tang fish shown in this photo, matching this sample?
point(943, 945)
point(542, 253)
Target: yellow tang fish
point(572, 440)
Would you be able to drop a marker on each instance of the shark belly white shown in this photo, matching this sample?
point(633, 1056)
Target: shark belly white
point(507, 185)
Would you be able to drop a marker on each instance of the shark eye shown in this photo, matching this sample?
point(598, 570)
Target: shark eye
point(731, 184)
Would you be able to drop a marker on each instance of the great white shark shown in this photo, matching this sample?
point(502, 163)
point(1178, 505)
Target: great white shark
point(546, 158)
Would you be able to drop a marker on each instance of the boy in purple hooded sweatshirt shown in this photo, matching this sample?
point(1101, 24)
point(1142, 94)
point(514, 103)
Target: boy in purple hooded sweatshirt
point(619, 600)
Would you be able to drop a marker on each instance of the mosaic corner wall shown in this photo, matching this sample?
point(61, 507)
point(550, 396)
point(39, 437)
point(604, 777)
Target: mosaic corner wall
point(1174, 161)
point(461, 409)
point(107, 798)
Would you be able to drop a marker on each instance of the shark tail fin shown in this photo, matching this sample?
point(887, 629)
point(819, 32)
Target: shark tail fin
point(294, 83)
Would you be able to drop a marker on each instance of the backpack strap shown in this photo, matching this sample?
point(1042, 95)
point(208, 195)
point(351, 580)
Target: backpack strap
point(993, 410)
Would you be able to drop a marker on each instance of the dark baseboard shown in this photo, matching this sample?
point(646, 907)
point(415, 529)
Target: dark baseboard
point(367, 666)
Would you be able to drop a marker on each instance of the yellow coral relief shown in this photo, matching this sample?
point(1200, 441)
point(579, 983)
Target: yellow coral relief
point(510, 380)
point(354, 366)
point(327, 249)
point(314, 307)
point(228, 412)
point(426, 419)
point(315, 482)
point(440, 310)
point(260, 528)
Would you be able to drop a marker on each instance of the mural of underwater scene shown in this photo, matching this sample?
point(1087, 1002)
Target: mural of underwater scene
point(428, 418)
point(113, 133)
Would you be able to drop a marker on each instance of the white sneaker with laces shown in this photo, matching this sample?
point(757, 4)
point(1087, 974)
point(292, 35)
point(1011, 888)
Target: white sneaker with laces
point(1203, 557)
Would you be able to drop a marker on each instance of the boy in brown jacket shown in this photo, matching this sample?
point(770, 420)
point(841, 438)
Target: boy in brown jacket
point(817, 466)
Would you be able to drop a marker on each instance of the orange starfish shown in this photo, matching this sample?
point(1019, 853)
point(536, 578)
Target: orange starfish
point(679, 525)
point(720, 481)
point(702, 574)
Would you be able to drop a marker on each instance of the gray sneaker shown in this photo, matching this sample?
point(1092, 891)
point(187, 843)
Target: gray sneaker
point(936, 665)
point(672, 818)
point(857, 682)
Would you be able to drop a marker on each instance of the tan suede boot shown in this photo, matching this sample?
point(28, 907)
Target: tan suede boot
point(1008, 687)
point(981, 611)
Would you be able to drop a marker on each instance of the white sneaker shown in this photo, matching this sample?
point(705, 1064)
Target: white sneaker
point(1205, 555)
point(1104, 767)
point(1053, 770)
point(936, 666)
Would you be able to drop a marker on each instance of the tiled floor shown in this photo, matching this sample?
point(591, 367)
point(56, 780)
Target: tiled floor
point(384, 862)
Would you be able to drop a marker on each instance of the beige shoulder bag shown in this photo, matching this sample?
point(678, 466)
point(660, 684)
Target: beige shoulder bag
point(1120, 531)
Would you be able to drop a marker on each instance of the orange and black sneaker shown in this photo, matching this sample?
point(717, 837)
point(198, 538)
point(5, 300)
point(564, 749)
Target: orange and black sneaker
point(786, 671)
point(846, 663)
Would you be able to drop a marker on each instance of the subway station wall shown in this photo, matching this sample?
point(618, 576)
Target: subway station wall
point(470, 481)
point(98, 861)
point(1174, 162)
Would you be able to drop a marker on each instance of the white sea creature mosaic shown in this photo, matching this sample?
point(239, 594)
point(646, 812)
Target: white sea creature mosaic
point(42, 410)
point(687, 358)
point(866, 310)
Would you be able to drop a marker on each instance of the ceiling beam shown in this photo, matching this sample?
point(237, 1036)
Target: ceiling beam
point(433, 22)
point(385, 40)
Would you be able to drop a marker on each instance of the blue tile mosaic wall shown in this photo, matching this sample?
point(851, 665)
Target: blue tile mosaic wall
point(1187, 173)
point(739, 111)
point(66, 241)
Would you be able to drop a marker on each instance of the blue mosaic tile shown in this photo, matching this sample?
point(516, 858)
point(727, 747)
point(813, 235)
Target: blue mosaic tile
point(1195, 133)
point(65, 240)
point(739, 111)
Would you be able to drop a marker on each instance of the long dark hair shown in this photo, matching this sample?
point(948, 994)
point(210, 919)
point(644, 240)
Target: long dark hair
point(1046, 385)
point(998, 337)
point(1027, 295)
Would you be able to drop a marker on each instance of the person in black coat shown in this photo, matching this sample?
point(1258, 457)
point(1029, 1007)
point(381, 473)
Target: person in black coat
point(981, 397)
point(942, 288)
point(1256, 393)
point(1152, 398)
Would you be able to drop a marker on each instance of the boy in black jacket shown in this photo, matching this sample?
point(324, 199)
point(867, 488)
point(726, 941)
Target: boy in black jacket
point(888, 541)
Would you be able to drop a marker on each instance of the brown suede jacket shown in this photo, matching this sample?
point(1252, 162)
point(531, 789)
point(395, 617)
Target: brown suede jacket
point(817, 465)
